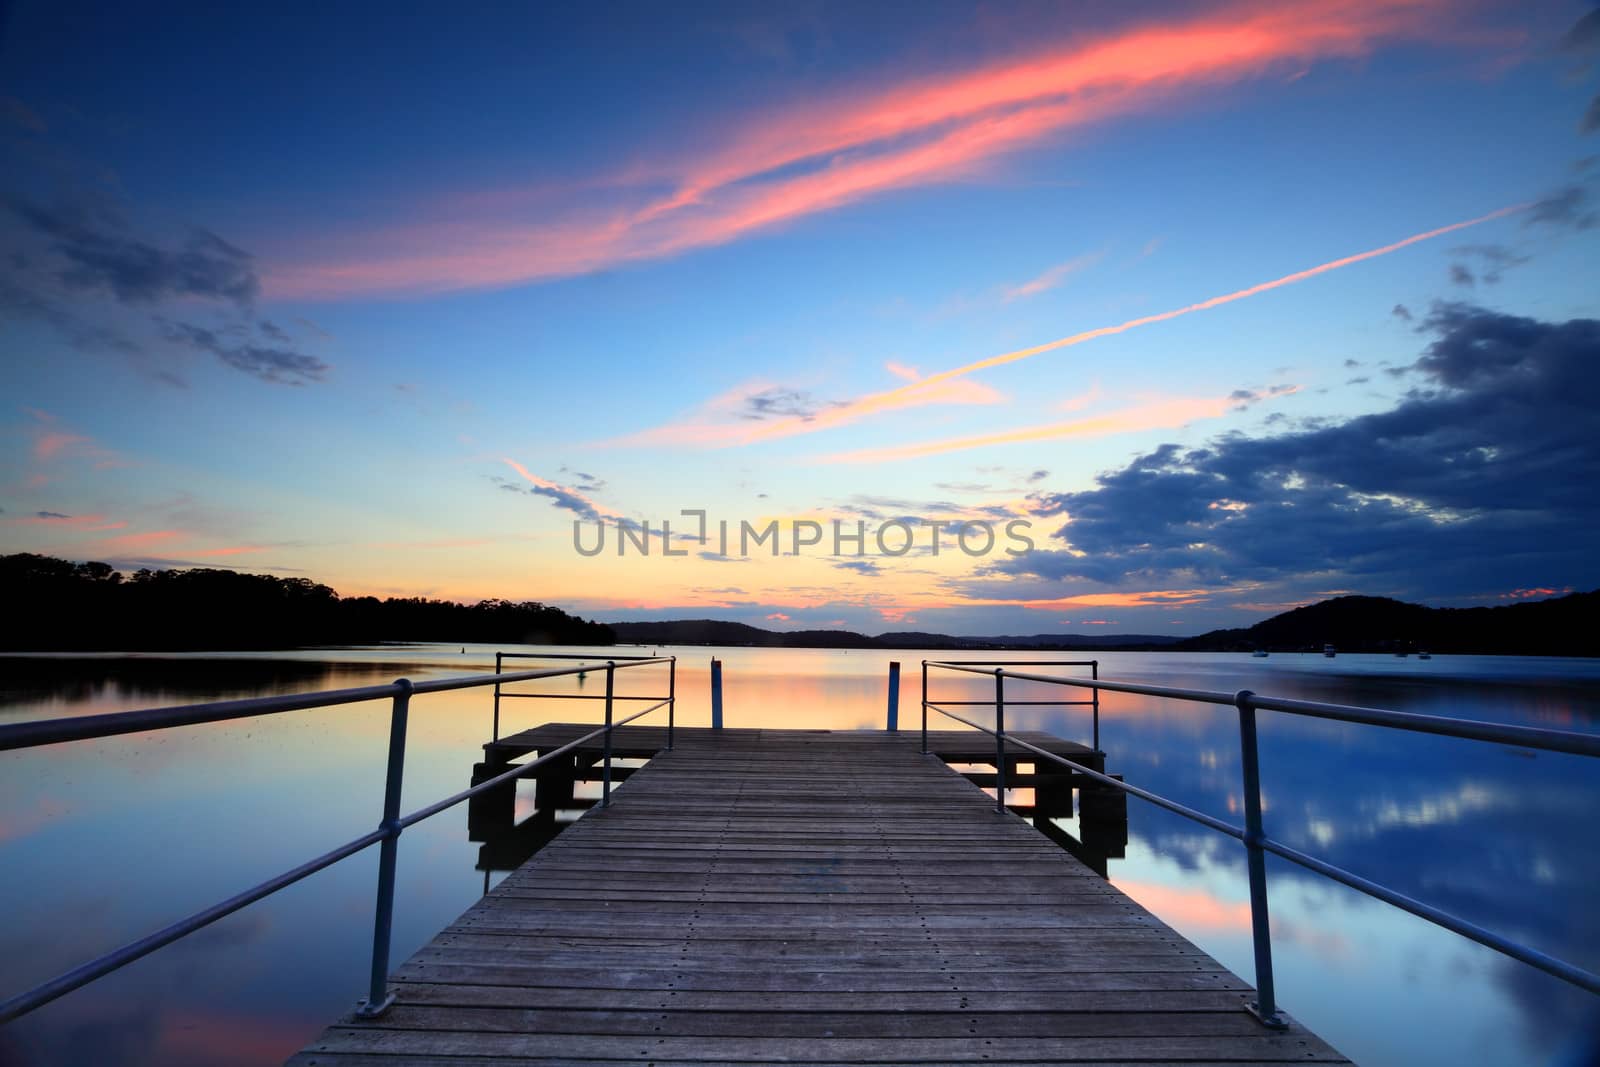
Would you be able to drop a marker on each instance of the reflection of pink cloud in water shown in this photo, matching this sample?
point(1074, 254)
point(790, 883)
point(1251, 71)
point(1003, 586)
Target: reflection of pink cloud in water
point(211, 1038)
point(1197, 911)
point(1188, 907)
point(16, 824)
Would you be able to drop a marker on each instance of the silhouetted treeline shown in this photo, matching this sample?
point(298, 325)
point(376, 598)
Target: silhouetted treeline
point(56, 604)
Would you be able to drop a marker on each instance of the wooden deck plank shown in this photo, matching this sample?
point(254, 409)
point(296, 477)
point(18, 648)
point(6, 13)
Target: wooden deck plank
point(808, 897)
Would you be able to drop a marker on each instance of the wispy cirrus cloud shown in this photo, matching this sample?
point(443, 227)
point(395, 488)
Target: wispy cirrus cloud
point(856, 143)
point(747, 412)
point(876, 403)
point(1163, 413)
point(1053, 277)
point(52, 445)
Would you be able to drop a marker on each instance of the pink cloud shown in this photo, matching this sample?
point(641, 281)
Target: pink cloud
point(231, 550)
point(134, 542)
point(52, 443)
point(850, 145)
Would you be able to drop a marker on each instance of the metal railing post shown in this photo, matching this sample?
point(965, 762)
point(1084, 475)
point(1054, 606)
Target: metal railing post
point(716, 694)
point(894, 696)
point(924, 707)
point(1265, 1006)
point(999, 739)
point(1094, 675)
point(672, 698)
point(605, 775)
point(495, 736)
point(378, 997)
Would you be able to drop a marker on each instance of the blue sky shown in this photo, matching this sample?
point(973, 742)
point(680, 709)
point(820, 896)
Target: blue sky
point(390, 302)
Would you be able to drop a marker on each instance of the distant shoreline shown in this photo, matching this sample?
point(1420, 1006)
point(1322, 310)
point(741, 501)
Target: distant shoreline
point(66, 606)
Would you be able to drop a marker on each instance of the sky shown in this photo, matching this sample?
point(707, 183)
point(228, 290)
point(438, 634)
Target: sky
point(1014, 318)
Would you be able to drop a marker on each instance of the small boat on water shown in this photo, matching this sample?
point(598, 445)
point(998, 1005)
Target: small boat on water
point(1327, 650)
point(1424, 655)
point(1259, 653)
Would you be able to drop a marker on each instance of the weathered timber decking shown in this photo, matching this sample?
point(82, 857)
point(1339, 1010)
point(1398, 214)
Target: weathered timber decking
point(765, 896)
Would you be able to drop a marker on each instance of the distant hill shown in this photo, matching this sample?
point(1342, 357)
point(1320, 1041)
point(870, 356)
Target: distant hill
point(718, 632)
point(715, 632)
point(1562, 626)
point(915, 639)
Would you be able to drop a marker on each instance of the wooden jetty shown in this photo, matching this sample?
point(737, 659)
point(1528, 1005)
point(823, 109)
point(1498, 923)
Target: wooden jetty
point(806, 896)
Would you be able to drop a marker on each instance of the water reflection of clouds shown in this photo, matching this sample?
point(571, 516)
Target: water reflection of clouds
point(194, 815)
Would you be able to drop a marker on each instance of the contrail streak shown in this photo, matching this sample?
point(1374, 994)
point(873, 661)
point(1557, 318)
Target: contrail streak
point(877, 401)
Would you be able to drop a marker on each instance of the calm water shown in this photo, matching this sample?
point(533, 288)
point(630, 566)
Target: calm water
point(100, 842)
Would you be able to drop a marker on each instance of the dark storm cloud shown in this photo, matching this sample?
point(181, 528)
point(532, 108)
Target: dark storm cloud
point(79, 266)
point(1583, 39)
point(1571, 206)
point(1490, 261)
point(100, 253)
point(1584, 35)
point(892, 509)
point(281, 366)
point(780, 402)
point(1243, 398)
point(1482, 474)
point(583, 481)
point(19, 301)
point(558, 497)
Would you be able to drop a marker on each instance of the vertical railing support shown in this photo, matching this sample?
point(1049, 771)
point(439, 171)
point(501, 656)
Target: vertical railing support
point(495, 736)
point(672, 698)
point(1265, 1006)
point(999, 739)
point(716, 694)
point(1094, 673)
point(924, 707)
point(894, 696)
point(378, 997)
point(605, 773)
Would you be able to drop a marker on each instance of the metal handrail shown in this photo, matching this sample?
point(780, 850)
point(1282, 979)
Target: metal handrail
point(1252, 834)
point(630, 661)
point(378, 1000)
point(976, 666)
